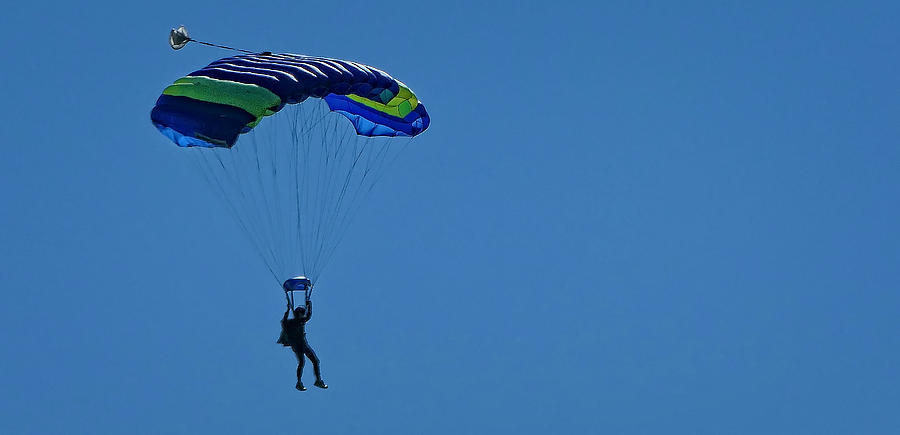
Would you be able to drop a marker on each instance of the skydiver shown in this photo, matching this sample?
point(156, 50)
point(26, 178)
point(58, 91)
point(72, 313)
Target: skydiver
point(293, 334)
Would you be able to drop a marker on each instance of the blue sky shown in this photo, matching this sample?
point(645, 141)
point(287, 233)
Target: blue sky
point(637, 217)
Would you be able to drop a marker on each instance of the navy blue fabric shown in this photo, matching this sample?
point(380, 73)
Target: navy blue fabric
point(284, 89)
point(293, 78)
point(217, 124)
point(315, 76)
point(296, 284)
point(367, 120)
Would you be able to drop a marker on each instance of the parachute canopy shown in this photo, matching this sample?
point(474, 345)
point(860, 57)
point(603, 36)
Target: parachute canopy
point(294, 182)
point(210, 107)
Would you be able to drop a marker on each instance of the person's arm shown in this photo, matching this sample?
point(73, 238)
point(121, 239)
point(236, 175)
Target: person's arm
point(284, 319)
point(308, 310)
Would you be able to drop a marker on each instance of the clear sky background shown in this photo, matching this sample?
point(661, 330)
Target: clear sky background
point(639, 217)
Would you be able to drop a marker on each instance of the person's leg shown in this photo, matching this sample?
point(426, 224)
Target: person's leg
point(315, 361)
point(298, 352)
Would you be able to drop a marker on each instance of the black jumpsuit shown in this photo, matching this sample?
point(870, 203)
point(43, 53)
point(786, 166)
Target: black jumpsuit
point(294, 333)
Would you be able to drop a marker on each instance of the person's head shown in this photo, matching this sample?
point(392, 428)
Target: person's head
point(299, 311)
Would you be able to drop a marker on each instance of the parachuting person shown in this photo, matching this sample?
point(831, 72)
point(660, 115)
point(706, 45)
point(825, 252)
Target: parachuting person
point(211, 107)
point(293, 331)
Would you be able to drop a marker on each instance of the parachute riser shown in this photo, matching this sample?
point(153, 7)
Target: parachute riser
point(290, 299)
point(289, 295)
point(300, 283)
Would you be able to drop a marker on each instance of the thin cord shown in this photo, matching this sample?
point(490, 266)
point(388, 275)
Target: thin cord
point(221, 46)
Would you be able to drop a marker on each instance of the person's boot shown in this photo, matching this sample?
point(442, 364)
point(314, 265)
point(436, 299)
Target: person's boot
point(300, 386)
point(321, 384)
